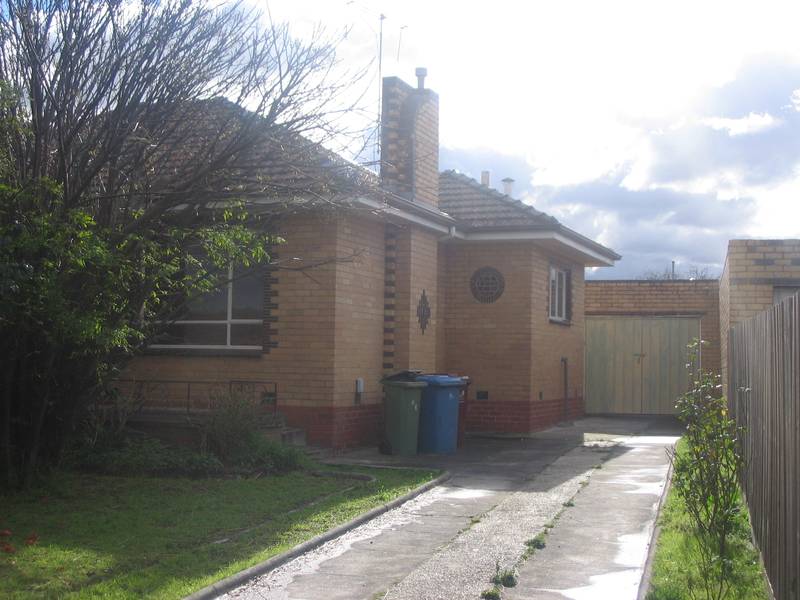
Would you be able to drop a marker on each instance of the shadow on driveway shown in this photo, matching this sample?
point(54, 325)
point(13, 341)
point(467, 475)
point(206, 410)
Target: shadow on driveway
point(507, 461)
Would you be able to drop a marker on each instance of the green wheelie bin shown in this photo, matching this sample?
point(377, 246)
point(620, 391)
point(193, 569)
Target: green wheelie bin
point(402, 403)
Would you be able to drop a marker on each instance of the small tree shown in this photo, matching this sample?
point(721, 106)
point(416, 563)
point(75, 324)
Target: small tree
point(706, 474)
point(132, 178)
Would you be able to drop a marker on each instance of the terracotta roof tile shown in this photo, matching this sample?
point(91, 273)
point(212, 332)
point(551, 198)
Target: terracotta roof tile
point(476, 206)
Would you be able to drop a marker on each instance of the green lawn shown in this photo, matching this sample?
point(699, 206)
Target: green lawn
point(126, 537)
point(675, 564)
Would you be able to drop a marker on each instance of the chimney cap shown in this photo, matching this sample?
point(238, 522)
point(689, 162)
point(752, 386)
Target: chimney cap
point(508, 180)
point(421, 73)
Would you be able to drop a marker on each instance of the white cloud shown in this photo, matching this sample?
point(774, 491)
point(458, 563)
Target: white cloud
point(559, 82)
point(796, 100)
point(778, 209)
point(752, 123)
point(584, 90)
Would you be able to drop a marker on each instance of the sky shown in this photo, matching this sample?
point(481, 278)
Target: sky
point(660, 129)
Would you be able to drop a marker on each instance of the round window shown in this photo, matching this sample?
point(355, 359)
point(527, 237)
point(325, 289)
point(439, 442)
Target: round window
point(487, 285)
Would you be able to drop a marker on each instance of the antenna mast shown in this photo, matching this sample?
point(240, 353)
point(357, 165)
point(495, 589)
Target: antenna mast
point(377, 151)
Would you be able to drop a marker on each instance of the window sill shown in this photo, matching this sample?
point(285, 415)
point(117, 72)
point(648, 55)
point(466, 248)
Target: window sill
point(562, 322)
point(189, 351)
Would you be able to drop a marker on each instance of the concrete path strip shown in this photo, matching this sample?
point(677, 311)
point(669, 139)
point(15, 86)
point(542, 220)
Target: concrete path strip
point(443, 544)
point(599, 546)
point(464, 568)
point(447, 542)
point(219, 588)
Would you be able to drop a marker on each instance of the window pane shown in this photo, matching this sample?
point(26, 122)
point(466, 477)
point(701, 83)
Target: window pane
point(193, 334)
point(248, 295)
point(553, 293)
point(562, 295)
point(212, 306)
point(247, 335)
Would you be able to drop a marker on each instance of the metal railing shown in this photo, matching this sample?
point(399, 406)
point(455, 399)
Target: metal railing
point(193, 396)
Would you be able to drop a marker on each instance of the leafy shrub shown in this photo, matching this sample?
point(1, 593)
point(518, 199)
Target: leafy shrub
point(232, 432)
point(146, 456)
point(706, 475)
point(104, 419)
point(258, 453)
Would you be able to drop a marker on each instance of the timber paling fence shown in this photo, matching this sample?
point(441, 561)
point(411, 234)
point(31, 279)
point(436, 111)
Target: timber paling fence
point(764, 387)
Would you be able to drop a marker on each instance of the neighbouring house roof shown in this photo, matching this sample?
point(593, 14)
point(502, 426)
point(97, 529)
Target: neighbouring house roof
point(483, 213)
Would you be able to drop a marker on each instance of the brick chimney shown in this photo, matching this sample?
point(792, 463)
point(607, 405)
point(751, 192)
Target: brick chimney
point(410, 139)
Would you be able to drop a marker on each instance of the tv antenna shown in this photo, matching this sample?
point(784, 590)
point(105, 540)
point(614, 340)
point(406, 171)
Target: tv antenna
point(400, 41)
point(377, 146)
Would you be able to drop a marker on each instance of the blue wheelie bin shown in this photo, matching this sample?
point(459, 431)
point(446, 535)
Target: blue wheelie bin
point(438, 419)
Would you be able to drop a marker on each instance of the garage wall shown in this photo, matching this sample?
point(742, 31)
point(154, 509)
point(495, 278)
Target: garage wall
point(753, 268)
point(662, 298)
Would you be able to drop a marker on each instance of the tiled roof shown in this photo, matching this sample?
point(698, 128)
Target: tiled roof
point(476, 206)
point(213, 150)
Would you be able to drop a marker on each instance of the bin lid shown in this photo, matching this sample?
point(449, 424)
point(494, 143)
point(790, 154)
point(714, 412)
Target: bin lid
point(409, 375)
point(441, 380)
point(405, 384)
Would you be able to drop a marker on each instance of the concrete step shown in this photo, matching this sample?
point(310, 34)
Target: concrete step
point(272, 420)
point(318, 453)
point(290, 436)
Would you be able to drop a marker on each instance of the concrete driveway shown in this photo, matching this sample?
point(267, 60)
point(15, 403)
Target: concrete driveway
point(592, 488)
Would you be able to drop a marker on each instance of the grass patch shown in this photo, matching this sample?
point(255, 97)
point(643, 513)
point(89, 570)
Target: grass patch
point(675, 568)
point(130, 537)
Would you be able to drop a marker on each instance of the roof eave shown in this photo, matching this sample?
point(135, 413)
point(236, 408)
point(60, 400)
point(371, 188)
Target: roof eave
point(558, 239)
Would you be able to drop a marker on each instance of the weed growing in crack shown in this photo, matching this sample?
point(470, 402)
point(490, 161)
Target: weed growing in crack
point(538, 542)
point(491, 594)
point(504, 577)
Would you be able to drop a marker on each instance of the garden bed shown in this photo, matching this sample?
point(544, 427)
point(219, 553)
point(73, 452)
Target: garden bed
point(675, 565)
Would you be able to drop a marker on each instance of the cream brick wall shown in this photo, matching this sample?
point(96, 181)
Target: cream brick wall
point(303, 362)
point(752, 270)
point(359, 310)
point(489, 342)
point(552, 341)
point(510, 348)
point(416, 270)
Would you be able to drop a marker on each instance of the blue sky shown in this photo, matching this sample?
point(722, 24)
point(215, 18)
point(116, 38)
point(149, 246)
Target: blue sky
point(659, 129)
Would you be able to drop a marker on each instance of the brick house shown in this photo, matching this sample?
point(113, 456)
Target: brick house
point(445, 275)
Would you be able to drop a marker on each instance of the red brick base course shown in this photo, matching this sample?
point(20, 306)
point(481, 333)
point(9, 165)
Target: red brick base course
point(351, 426)
point(339, 427)
point(499, 416)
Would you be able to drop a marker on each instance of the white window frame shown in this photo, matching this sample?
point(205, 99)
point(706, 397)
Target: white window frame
point(557, 297)
point(228, 322)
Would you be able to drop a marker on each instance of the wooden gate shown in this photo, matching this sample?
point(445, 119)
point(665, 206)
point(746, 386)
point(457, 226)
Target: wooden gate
point(637, 365)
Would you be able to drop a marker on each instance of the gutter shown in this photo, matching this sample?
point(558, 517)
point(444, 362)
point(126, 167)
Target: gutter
point(444, 224)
